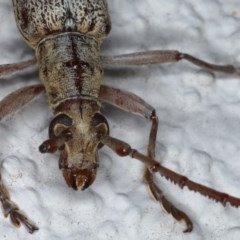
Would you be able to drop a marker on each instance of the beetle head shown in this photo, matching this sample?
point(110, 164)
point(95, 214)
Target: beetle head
point(76, 133)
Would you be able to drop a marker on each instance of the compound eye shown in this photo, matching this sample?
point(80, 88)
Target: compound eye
point(61, 121)
point(100, 123)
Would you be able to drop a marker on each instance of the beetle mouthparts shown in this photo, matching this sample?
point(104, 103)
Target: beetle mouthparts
point(79, 178)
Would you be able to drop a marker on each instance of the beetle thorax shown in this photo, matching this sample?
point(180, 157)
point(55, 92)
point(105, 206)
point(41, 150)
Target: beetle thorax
point(69, 67)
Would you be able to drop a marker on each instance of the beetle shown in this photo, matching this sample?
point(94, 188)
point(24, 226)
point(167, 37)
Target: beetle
point(64, 120)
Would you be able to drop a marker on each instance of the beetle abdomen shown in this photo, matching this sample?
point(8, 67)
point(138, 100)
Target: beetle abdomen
point(37, 19)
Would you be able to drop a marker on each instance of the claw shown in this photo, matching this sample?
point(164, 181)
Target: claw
point(11, 209)
point(18, 217)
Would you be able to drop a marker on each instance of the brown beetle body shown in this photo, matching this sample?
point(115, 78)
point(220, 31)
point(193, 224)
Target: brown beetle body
point(67, 36)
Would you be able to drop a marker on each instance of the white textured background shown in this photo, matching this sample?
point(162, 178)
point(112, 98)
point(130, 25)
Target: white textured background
point(199, 133)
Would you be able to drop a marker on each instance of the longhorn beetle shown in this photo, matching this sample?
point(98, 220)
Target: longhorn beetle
point(66, 36)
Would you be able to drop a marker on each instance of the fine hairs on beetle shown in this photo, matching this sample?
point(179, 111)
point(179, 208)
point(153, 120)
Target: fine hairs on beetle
point(66, 37)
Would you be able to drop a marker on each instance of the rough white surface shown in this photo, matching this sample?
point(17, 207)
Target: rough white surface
point(199, 133)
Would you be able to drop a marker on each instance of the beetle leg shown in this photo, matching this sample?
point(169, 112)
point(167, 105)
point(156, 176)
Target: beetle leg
point(124, 149)
point(8, 106)
point(16, 100)
point(134, 104)
point(158, 57)
point(126, 101)
point(167, 205)
point(11, 209)
point(11, 68)
point(154, 189)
